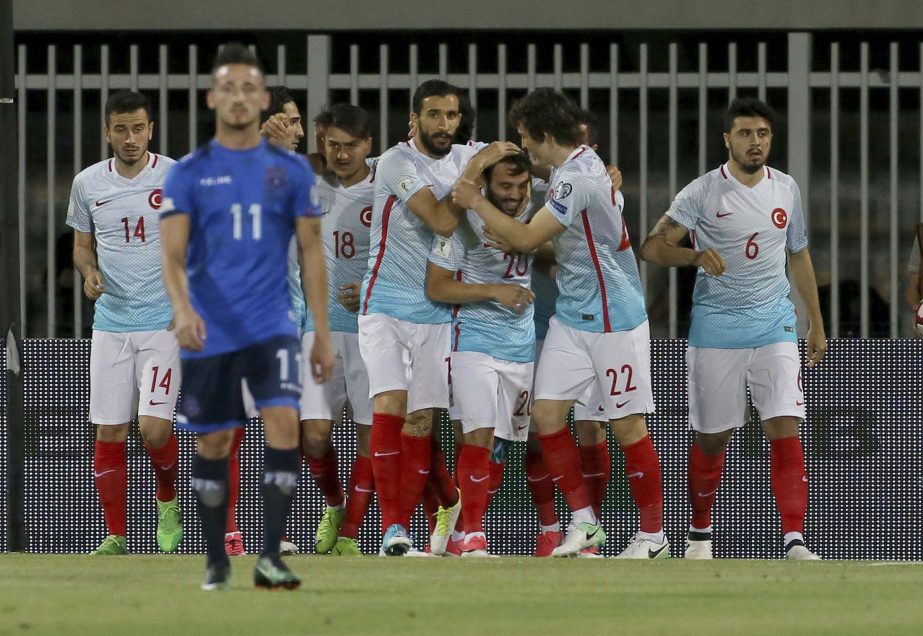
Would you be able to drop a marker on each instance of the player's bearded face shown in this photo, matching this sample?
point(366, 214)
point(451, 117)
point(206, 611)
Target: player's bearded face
point(507, 191)
point(436, 124)
point(749, 143)
point(129, 135)
point(238, 95)
point(344, 153)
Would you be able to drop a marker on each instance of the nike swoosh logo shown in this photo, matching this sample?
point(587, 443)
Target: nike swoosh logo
point(519, 428)
point(555, 479)
point(593, 474)
point(601, 409)
point(100, 204)
point(361, 489)
point(104, 472)
point(721, 215)
point(590, 535)
point(153, 403)
point(476, 480)
point(804, 479)
point(423, 472)
point(377, 454)
point(168, 466)
point(651, 554)
point(619, 405)
point(537, 478)
point(801, 403)
point(638, 474)
point(707, 494)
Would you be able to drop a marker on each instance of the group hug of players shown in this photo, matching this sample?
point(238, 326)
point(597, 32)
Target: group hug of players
point(439, 256)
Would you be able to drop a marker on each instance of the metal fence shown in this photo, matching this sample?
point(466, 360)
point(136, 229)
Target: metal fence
point(852, 122)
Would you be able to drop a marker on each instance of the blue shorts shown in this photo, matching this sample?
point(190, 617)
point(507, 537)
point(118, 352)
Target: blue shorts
point(212, 397)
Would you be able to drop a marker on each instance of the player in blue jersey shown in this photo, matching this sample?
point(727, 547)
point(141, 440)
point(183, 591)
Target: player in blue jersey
point(493, 344)
point(134, 361)
point(599, 333)
point(747, 224)
point(230, 210)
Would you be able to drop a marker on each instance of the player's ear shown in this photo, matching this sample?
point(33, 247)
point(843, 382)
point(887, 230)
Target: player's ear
point(150, 130)
point(266, 98)
point(210, 99)
point(106, 131)
point(727, 141)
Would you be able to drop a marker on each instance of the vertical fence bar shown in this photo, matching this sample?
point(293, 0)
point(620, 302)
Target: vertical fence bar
point(672, 161)
point(864, 189)
point(77, 167)
point(318, 79)
point(281, 70)
point(444, 61)
point(103, 98)
point(894, 96)
point(834, 328)
point(501, 92)
point(23, 262)
point(761, 71)
point(133, 67)
point(703, 107)
point(193, 97)
point(354, 74)
point(584, 76)
point(51, 156)
point(414, 72)
point(473, 83)
point(642, 154)
point(920, 126)
point(799, 134)
point(614, 106)
point(732, 72)
point(383, 67)
point(558, 79)
point(530, 68)
point(163, 102)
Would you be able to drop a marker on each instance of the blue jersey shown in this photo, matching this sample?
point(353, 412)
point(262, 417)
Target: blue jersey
point(487, 327)
point(242, 206)
point(122, 215)
point(598, 280)
point(747, 306)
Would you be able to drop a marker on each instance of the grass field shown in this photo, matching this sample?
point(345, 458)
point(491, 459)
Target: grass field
point(160, 595)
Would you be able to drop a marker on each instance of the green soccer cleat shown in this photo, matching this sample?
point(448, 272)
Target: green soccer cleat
point(169, 525)
point(273, 573)
point(328, 529)
point(111, 546)
point(346, 546)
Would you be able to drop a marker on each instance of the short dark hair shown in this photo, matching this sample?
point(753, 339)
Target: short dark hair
point(235, 53)
point(544, 111)
point(126, 102)
point(589, 120)
point(352, 119)
point(465, 130)
point(279, 96)
point(520, 162)
point(433, 88)
point(747, 107)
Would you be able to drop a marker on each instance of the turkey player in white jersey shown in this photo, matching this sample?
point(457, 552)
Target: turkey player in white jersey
point(599, 334)
point(746, 223)
point(134, 359)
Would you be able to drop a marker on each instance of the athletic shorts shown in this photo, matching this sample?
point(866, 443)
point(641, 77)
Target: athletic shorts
point(491, 393)
point(134, 372)
point(349, 381)
point(214, 387)
point(719, 378)
point(617, 363)
point(406, 356)
point(589, 406)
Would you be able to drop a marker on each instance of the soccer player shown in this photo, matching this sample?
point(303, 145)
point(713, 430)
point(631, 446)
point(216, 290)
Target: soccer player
point(134, 358)
point(403, 335)
point(599, 333)
point(494, 344)
point(230, 210)
point(747, 223)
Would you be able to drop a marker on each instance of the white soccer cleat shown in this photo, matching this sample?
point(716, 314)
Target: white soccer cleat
point(579, 537)
point(286, 547)
point(641, 548)
point(796, 551)
point(446, 518)
point(698, 550)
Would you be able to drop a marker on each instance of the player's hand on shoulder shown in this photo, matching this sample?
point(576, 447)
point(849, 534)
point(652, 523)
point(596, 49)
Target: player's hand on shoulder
point(616, 176)
point(816, 345)
point(275, 128)
point(321, 359)
point(711, 261)
point(514, 297)
point(94, 285)
point(465, 193)
point(348, 296)
point(189, 329)
point(494, 152)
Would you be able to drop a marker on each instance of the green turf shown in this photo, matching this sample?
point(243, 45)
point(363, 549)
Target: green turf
point(160, 595)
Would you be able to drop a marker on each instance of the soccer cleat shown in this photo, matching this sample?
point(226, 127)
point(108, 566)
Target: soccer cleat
point(446, 518)
point(272, 573)
point(590, 553)
point(579, 536)
point(169, 525)
point(641, 548)
point(796, 551)
point(234, 544)
point(396, 541)
point(454, 548)
point(346, 546)
point(698, 545)
point(217, 577)
point(328, 529)
point(474, 545)
point(546, 542)
point(111, 546)
point(286, 547)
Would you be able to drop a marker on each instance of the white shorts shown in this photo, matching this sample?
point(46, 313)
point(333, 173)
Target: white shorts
point(134, 372)
point(348, 381)
point(718, 381)
point(589, 406)
point(617, 363)
point(406, 356)
point(491, 393)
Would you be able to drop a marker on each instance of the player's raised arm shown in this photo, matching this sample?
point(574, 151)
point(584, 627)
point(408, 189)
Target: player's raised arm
point(314, 283)
point(801, 269)
point(85, 262)
point(662, 247)
point(174, 239)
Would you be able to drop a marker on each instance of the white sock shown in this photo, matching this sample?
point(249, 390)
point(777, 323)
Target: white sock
point(792, 536)
point(656, 537)
point(584, 515)
point(555, 527)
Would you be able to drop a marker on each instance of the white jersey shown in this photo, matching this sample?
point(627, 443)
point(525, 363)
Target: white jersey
point(487, 327)
point(599, 284)
point(748, 305)
point(123, 216)
point(345, 231)
point(395, 283)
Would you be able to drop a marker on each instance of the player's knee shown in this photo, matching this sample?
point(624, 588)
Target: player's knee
point(500, 450)
point(112, 432)
point(590, 433)
point(547, 418)
point(154, 431)
point(630, 429)
point(781, 427)
point(713, 444)
point(315, 438)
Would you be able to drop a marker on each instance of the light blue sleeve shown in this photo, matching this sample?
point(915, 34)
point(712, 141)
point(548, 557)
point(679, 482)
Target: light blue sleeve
point(399, 174)
point(688, 205)
point(447, 252)
point(796, 237)
point(78, 215)
point(568, 196)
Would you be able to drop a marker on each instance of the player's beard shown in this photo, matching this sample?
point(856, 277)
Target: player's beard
point(747, 165)
point(126, 160)
point(509, 206)
point(426, 139)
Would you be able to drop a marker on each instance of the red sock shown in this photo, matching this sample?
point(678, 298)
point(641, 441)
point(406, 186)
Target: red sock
point(642, 467)
point(596, 466)
point(442, 480)
point(166, 468)
point(789, 482)
point(385, 445)
point(416, 453)
point(542, 488)
point(234, 481)
point(704, 478)
point(324, 471)
point(473, 479)
point(496, 480)
point(430, 505)
point(563, 461)
point(361, 487)
point(110, 469)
